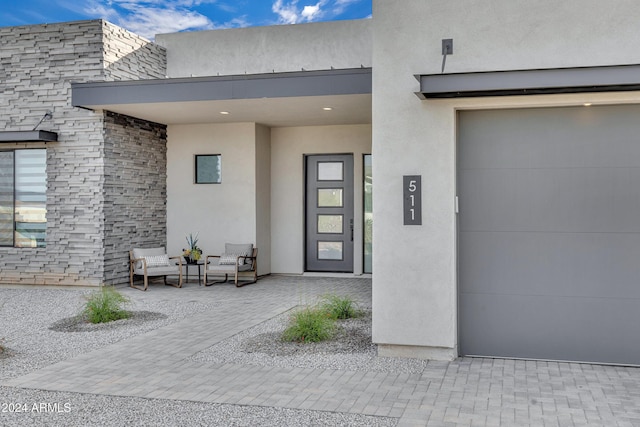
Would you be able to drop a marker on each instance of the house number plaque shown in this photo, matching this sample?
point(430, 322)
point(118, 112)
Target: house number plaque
point(412, 192)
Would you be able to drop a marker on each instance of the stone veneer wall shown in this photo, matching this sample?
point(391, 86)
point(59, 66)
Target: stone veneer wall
point(135, 185)
point(128, 56)
point(37, 65)
point(135, 191)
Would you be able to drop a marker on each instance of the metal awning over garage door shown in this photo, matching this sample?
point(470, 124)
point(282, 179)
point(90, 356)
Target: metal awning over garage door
point(549, 233)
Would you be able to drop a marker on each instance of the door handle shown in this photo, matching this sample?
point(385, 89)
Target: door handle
point(351, 225)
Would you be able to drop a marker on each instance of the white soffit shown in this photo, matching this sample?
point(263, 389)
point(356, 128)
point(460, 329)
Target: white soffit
point(273, 112)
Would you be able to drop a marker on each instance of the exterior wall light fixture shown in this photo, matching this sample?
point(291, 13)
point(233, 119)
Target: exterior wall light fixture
point(47, 116)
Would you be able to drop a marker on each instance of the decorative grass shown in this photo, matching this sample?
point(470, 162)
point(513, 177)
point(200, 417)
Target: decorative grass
point(338, 307)
point(105, 305)
point(310, 325)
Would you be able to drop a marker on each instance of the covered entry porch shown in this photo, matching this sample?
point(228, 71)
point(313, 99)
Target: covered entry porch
point(258, 130)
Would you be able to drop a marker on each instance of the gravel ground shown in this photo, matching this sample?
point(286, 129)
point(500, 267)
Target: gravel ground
point(38, 327)
point(350, 350)
point(99, 410)
point(27, 316)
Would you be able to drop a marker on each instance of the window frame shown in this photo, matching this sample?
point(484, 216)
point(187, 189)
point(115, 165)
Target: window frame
point(14, 201)
point(367, 159)
point(200, 177)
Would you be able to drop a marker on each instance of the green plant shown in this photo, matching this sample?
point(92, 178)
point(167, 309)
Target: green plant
point(338, 307)
point(309, 325)
point(105, 305)
point(193, 251)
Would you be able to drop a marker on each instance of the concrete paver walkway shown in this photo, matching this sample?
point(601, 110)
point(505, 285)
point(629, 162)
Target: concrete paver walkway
point(466, 392)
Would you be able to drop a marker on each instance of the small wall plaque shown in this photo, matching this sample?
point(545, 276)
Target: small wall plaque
point(412, 192)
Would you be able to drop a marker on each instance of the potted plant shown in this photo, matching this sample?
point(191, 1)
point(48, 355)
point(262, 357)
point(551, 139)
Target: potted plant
point(193, 253)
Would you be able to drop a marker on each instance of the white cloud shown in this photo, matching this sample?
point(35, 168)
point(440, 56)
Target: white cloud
point(340, 5)
point(309, 13)
point(239, 22)
point(148, 22)
point(150, 17)
point(290, 13)
point(95, 8)
point(228, 8)
point(287, 13)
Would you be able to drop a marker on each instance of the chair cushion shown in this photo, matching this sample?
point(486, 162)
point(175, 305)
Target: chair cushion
point(157, 260)
point(230, 259)
point(145, 252)
point(226, 268)
point(158, 271)
point(240, 249)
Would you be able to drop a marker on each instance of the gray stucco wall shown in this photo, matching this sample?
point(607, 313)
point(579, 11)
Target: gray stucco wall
point(276, 48)
point(415, 308)
point(37, 65)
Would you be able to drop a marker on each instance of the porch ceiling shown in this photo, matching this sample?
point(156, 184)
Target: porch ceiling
point(276, 100)
point(273, 112)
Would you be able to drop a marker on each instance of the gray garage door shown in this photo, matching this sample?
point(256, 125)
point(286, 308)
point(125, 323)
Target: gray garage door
point(549, 233)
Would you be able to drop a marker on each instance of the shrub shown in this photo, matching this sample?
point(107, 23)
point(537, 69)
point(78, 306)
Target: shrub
point(339, 307)
point(309, 325)
point(105, 305)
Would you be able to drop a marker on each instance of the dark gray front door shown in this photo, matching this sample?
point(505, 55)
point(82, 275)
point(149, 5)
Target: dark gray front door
point(549, 233)
point(329, 213)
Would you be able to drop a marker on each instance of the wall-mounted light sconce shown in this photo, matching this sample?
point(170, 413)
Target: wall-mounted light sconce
point(447, 49)
point(47, 116)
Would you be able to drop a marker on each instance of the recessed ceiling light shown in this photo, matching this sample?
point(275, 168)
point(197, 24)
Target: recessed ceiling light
point(587, 104)
point(327, 108)
point(224, 112)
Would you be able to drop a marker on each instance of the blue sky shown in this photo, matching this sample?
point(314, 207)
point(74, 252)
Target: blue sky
point(150, 17)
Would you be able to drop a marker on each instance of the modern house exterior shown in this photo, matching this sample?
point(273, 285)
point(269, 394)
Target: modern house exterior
point(499, 141)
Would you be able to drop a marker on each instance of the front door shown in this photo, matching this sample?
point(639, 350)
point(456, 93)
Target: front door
point(329, 213)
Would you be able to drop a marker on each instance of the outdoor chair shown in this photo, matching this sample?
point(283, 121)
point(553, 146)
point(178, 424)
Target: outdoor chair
point(239, 260)
point(154, 262)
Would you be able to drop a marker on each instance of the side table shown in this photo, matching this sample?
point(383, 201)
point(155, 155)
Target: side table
point(199, 264)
